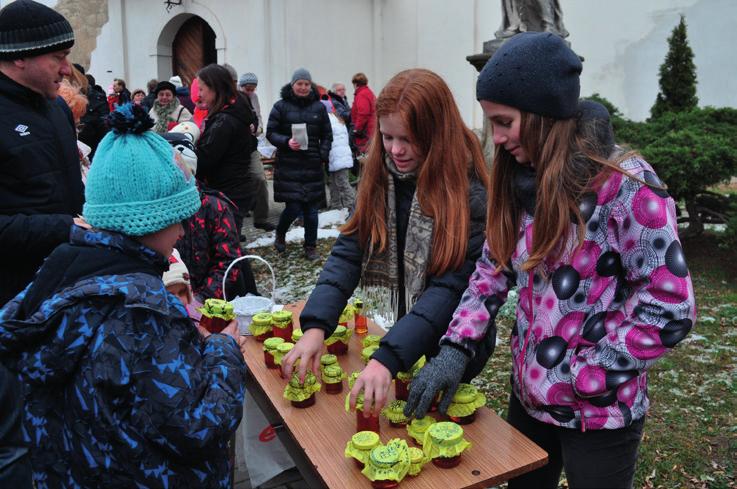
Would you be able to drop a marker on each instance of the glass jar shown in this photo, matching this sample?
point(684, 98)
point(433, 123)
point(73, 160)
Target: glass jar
point(296, 335)
point(270, 346)
point(281, 323)
point(340, 345)
point(261, 326)
point(444, 443)
point(359, 318)
point(401, 389)
point(418, 427)
point(360, 446)
point(332, 376)
point(216, 315)
point(370, 423)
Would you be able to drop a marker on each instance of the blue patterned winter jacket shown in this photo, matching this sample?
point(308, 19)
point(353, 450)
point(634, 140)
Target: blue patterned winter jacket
point(120, 389)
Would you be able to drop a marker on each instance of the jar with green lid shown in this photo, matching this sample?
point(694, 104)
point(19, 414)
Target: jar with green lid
point(270, 345)
point(444, 444)
point(260, 326)
point(417, 428)
point(363, 423)
point(371, 340)
point(394, 412)
point(337, 342)
point(328, 359)
point(302, 395)
point(401, 383)
point(466, 402)
point(281, 322)
point(281, 350)
point(332, 376)
point(296, 335)
point(367, 352)
point(417, 460)
point(216, 314)
point(387, 464)
point(346, 316)
point(360, 445)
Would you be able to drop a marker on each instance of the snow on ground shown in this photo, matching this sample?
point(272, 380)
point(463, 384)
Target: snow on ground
point(327, 227)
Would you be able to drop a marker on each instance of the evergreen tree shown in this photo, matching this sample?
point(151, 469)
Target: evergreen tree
point(677, 76)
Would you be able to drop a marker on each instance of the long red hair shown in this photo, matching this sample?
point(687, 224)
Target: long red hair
point(451, 156)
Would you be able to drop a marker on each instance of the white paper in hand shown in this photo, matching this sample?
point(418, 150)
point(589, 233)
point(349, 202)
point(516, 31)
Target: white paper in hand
point(299, 134)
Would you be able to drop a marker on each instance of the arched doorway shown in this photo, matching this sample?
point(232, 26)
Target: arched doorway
point(193, 48)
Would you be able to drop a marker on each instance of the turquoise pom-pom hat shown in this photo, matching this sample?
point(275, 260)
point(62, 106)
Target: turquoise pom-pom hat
point(135, 186)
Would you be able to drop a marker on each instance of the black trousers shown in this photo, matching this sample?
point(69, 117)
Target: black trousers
point(592, 459)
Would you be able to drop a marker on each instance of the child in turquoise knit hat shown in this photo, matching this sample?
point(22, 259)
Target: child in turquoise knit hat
point(114, 372)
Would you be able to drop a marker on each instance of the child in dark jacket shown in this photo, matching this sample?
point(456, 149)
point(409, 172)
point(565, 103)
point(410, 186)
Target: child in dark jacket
point(120, 388)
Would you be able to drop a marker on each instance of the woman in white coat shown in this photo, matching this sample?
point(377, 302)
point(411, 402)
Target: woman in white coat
point(342, 195)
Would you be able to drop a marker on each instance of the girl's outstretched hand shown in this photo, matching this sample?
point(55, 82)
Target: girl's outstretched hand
point(374, 380)
point(307, 350)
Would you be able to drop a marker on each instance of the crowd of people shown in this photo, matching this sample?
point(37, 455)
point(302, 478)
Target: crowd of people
point(114, 233)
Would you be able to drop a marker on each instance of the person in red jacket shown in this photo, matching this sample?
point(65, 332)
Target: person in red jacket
point(362, 112)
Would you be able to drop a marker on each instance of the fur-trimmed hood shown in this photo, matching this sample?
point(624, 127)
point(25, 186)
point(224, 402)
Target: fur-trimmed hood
point(288, 94)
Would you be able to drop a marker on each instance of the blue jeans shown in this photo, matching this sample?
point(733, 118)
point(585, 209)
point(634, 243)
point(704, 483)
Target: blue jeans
point(308, 211)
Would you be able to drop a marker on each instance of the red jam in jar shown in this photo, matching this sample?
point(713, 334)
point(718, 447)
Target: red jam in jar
point(384, 484)
point(335, 388)
point(269, 360)
point(398, 425)
point(401, 389)
point(338, 348)
point(310, 401)
point(366, 424)
point(447, 462)
point(463, 419)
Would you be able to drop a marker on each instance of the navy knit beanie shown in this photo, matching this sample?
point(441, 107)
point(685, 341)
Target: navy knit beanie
point(29, 28)
point(594, 121)
point(534, 72)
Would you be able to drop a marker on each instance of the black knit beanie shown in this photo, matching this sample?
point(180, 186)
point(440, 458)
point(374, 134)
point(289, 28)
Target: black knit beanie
point(534, 72)
point(29, 28)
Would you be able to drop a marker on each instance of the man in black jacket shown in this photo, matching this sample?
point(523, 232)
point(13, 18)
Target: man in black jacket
point(93, 122)
point(40, 181)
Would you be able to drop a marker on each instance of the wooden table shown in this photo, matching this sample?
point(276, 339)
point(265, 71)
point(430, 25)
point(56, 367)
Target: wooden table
point(316, 437)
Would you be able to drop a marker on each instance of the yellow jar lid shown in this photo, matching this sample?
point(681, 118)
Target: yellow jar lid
point(340, 331)
point(383, 456)
point(281, 316)
point(328, 359)
point(296, 335)
point(365, 440)
point(371, 340)
point(368, 351)
point(284, 347)
point(421, 425)
point(272, 343)
point(465, 394)
point(261, 319)
point(332, 371)
point(310, 380)
point(416, 455)
point(445, 433)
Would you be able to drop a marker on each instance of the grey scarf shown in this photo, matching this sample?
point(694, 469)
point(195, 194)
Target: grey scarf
point(380, 279)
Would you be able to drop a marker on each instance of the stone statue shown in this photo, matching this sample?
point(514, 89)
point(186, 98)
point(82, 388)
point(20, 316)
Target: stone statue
point(531, 15)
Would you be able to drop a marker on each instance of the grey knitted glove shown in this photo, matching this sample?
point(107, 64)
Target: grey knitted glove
point(442, 373)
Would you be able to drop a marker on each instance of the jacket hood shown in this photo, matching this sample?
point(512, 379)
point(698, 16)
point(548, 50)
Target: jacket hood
point(288, 94)
point(95, 264)
point(240, 110)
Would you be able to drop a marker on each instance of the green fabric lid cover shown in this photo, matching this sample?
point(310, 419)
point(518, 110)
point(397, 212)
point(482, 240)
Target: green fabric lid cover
point(296, 335)
point(270, 344)
point(218, 308)
point(394, 411)
point(281, 318)
point(361, 444)
point(417, 428)
point(444, 439)
point(371, 340)
point(296, 391)
point(367, 352)
point(407, 376)
point(260, 323)
point(352, 378)
point(332, 374)
point(388, 462)
point(328, 359)
point(341, 333)
point(281, 350)
point(466, 401)
point(417, 460)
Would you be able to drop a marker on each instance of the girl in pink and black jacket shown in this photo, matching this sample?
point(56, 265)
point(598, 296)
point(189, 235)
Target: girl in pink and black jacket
point(589, 237)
